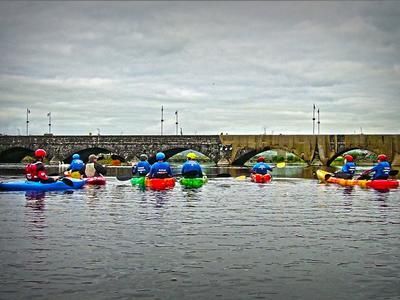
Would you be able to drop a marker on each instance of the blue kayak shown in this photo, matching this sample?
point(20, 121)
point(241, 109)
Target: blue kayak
point(37, 186)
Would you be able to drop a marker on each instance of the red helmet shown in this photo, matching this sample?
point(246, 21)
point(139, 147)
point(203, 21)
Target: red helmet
point(382, 157)
point(260, 159)
point(40, 153)
point(348, 157)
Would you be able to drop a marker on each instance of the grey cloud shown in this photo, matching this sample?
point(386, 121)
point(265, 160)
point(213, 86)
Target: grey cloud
point(226, 66)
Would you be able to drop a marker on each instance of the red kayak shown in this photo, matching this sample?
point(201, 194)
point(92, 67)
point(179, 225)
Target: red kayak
point(260, 178)
point(99, 180)
point(160, 183)
point(383, 184)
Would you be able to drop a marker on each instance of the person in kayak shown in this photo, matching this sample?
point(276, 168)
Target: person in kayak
point(93, 168)
point(191, 168)
point(77, 167)
point(142, 167)
point(160, 169)
point(36, 171)
point(261, 167)
point(348, 169)
point(381, 170)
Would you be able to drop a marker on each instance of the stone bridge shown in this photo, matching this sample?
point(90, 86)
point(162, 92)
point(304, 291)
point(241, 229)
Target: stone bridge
point(221, 149)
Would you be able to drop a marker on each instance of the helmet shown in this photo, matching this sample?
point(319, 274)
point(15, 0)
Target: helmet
point(77, 165)
point(143, 157)
point(92, 157)
point(160, 156)
point(76, 156)
point(348, 157)
point(191, 155)
point(40, 153)
point(382, 157)
point(260, 159)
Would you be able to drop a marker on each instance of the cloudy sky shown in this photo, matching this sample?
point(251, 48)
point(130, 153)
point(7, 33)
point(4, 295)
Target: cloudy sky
point(237, 67)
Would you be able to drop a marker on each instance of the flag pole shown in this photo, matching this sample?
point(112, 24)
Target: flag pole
point(318, 122)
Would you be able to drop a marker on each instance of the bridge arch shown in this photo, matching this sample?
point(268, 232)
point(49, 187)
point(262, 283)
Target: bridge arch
point(15, 154)
point(247, 153)
point(84, 153)
point(343, 151)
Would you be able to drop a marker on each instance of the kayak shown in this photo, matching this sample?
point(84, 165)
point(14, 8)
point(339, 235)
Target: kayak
point(193, 183)
point(160, 183)
point(97, 180)
point(260, 178)
point(38, 186)
point(138, 180)
point(378, 184)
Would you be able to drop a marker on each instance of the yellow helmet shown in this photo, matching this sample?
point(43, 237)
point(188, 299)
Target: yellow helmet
point(191, 155)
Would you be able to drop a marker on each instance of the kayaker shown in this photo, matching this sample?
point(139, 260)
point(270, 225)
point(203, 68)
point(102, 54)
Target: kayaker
point(348, 169)
point(191, 168)
point(142, 167)
point(77, 167)
point(261, 167)
point(160, 169)
point(93, 168)
point(36, 171)
point(381, 170)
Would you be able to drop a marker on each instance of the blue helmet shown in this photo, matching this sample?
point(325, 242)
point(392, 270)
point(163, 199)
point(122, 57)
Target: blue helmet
point(76, 156)
point(160, 156)
point(77, 165)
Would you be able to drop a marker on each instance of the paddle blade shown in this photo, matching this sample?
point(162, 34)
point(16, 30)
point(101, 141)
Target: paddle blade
point(281, 165)
point(67, 181)
point(243, 177)
point(223, 175)
point(124, 177)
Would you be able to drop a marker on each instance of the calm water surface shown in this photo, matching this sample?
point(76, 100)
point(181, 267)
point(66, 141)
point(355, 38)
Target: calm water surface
point(231, 239)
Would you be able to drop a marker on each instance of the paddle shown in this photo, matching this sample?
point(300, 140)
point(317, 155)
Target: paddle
point(67, 181)
point(281, 165)
point(278, 165)
point(124, 177)
point(364, 175)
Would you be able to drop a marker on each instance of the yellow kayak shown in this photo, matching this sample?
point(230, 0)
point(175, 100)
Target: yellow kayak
point(328, 177)
point(377, 184)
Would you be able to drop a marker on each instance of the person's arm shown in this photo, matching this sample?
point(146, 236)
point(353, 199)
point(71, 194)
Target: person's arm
point(169, 171)
point(41, 172)
point(100, 169)
point(134, 169)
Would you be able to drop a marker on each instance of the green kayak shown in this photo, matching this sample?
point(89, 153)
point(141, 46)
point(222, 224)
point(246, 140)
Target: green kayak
point(138, 180)
point(193, 183)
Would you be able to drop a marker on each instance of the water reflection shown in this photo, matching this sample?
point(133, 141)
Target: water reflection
point(161, 197)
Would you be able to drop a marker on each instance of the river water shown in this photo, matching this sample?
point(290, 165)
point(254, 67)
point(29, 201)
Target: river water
point(231, 239)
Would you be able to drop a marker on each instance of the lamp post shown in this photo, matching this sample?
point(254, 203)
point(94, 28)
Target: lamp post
point(27, 121)
point(313, 120)
point(49, 115)
point(162, 119)
point(176, 122)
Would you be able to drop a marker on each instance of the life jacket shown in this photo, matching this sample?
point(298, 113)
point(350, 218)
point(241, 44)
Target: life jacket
point(35, 171)
point(90, 170)
point(31, 172)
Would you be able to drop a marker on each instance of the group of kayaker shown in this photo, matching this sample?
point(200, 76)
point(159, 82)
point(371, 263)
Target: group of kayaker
point(380, 170)
point(161, 169)
point(36, 171)
point(191, 168)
